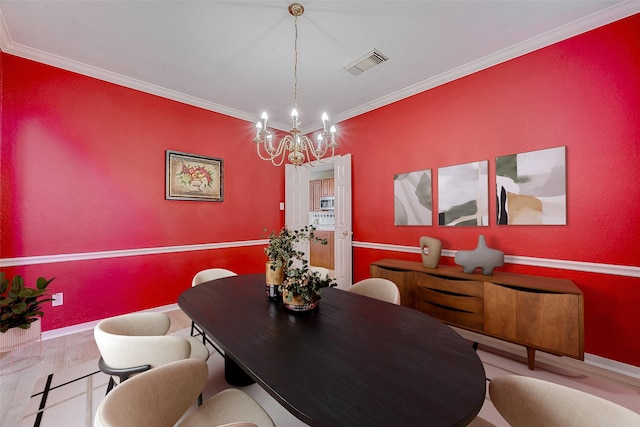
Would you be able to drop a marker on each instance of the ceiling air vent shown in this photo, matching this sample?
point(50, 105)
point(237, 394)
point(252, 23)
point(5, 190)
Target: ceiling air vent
point(369, 60)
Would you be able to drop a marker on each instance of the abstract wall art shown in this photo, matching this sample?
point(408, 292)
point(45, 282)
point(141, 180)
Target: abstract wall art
point(463, 195)
point(412, 196)
point(531, 188)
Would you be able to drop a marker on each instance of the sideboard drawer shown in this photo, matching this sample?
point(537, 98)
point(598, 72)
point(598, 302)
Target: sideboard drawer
point(454, 301)
point(454, 286)
point(473, 321)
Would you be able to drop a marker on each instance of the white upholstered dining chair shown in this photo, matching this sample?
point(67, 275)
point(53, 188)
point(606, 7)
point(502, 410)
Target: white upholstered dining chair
point(201, 277)
point(161, 397)
point(378, 288)
point(531, 402)
point(136, 342)
point(322, 271)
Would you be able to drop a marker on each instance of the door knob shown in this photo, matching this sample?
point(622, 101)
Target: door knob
point(345, 233)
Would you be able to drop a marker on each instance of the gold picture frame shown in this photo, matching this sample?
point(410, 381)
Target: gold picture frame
point(193, 177)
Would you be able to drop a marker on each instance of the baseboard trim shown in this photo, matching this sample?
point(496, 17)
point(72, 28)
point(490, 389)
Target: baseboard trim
point(607, 368)
point(89, 326)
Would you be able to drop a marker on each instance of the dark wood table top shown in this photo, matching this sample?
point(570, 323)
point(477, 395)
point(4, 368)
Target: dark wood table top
point(354, 361)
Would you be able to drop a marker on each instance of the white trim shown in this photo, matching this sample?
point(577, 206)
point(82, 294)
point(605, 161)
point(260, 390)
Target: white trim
point(48, 259)
point(612, 365)
point(88, 326)
point(615, 12)
point(591, 362)
point(589, 267)
point(593, 21)
point(627, 370)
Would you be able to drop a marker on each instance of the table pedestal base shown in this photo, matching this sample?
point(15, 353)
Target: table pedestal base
point(234, 375)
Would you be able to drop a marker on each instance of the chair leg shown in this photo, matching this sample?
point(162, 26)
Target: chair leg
point(197, 330)
point(112, 383)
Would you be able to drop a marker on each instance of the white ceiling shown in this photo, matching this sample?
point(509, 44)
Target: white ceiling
point(236, 57)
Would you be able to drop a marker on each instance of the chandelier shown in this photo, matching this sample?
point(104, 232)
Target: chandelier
point(299, 147)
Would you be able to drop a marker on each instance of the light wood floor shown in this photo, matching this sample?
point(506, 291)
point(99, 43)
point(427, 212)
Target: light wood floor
point(23, 372)
point(21, 369)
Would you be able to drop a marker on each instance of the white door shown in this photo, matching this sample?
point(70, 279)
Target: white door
point(297, 212)
point(296, 200)
point(343, 231)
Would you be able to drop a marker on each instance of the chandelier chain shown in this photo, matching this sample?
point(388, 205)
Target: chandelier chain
point(295, 64)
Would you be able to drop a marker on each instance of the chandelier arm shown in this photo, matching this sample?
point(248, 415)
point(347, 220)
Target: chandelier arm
point(322, 160)
point(271, 158)
point(280, 151)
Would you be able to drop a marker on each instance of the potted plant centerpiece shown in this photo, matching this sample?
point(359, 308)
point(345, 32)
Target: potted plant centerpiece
point(287, 265)
point(279, 250)
point(20, 311)
point(301, 287)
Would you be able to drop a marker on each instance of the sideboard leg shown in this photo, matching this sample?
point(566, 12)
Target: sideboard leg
point(531, 357)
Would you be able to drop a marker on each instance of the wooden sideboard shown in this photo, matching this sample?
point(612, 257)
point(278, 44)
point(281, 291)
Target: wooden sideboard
point(540, 313)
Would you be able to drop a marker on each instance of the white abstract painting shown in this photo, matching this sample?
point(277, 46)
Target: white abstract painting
point(413, 198)
point(463, 195)
point(531, 188)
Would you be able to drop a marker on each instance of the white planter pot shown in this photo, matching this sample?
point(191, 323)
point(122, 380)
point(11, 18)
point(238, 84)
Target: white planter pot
point(16, 337)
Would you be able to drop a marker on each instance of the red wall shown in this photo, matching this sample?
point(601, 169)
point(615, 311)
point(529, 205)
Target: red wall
point(583, 93)
point(83, 171)
point(83, 164)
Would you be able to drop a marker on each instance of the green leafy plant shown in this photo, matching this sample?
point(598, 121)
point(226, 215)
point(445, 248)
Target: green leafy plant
point(281, 249)
point(299, 279)
point(305, 283)
point(19, 305)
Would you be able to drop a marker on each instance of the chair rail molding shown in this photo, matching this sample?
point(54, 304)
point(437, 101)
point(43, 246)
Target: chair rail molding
point(83, 256)
point(589, 267)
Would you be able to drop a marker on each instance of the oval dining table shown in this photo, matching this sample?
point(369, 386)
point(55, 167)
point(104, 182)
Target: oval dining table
point(353, 361)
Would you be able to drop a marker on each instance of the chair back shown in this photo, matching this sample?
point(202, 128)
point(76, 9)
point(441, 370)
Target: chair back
point(155, 398)
point(324, 272)
point(211, 274)
point(378, 288)
point(531, 402)
point(139, 339)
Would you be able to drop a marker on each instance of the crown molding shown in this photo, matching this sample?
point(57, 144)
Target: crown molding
point(598, 19)
point(588, 23)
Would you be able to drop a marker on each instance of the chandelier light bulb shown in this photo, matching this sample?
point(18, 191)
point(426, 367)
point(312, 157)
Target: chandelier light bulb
point(270, 141)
